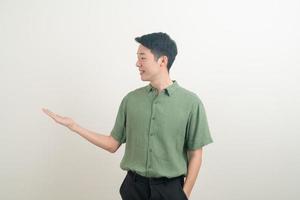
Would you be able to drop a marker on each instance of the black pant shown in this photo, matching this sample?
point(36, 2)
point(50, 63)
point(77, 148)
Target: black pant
point(136, 187)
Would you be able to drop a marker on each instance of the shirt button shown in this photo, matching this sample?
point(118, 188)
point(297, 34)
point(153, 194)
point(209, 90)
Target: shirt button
point(151, 134)
point(153, 118)
point(150, 150)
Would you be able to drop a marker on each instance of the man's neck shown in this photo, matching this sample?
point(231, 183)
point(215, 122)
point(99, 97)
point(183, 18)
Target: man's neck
point(160, 85)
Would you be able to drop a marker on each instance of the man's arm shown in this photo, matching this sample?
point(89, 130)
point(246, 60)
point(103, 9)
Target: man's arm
point(103, 141)
point(195, 160)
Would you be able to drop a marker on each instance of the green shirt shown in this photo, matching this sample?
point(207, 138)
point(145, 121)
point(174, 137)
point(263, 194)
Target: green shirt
point(159, 129)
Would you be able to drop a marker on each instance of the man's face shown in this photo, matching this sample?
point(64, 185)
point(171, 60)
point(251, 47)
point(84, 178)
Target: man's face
point(148, 66)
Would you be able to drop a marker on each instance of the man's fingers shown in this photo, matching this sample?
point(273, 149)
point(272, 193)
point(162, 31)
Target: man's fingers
point(49, 113)
point(46, 110)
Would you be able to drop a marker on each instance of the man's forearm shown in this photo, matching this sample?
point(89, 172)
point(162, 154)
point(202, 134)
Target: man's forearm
point(193, 170)
point(99, 140)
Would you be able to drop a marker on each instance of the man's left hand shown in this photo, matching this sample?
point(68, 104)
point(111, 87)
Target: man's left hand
point(187, 194)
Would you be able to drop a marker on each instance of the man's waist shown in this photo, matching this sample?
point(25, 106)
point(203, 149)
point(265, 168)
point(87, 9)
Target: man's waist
point(152, 180)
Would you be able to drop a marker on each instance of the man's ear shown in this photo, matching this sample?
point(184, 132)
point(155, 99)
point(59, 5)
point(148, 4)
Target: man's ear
point(164, 60)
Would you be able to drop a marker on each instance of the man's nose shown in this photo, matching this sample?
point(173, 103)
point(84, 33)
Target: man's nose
point(138, 64)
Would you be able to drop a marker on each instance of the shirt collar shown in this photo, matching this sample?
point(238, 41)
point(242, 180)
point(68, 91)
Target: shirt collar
point(168, 90)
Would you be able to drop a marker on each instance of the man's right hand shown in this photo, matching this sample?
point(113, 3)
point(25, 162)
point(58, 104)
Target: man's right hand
point(104, 141)
point(65, 121)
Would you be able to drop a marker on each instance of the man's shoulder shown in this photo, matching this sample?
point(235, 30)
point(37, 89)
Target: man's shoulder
point(189, 95)
point(136, 91)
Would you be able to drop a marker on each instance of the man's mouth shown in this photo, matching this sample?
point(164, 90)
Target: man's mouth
point(142, 71)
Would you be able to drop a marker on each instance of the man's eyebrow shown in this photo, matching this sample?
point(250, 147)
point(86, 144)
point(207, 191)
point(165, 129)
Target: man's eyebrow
point(141, 53)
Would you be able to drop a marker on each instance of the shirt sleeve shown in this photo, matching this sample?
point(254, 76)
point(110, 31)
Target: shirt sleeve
point(198, 133)
point(119, 130)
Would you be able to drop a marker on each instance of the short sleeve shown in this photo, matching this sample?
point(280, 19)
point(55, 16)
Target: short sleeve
point(198, 133)
point(119, 130)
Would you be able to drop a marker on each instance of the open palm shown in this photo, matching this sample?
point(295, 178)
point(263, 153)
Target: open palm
point(65, 121)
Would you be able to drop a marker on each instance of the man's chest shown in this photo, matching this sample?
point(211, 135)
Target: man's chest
point(159, 112)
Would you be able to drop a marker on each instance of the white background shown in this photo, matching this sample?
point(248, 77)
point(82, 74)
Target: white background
point(77, 58)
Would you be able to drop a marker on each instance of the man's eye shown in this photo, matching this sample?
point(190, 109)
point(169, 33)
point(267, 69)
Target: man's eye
point(143, 58)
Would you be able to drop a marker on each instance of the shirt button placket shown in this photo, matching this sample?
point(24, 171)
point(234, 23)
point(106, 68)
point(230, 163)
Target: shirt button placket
point(151, 134)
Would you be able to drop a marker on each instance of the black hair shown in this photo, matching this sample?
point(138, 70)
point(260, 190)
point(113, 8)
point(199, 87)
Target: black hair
point(160, 44)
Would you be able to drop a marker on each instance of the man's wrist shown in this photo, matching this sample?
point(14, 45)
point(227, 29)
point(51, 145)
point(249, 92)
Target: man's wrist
point(73, 127)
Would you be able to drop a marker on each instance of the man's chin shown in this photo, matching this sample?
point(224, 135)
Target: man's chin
point(144, 79)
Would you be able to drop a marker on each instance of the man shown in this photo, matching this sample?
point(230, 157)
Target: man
point(163, 125)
